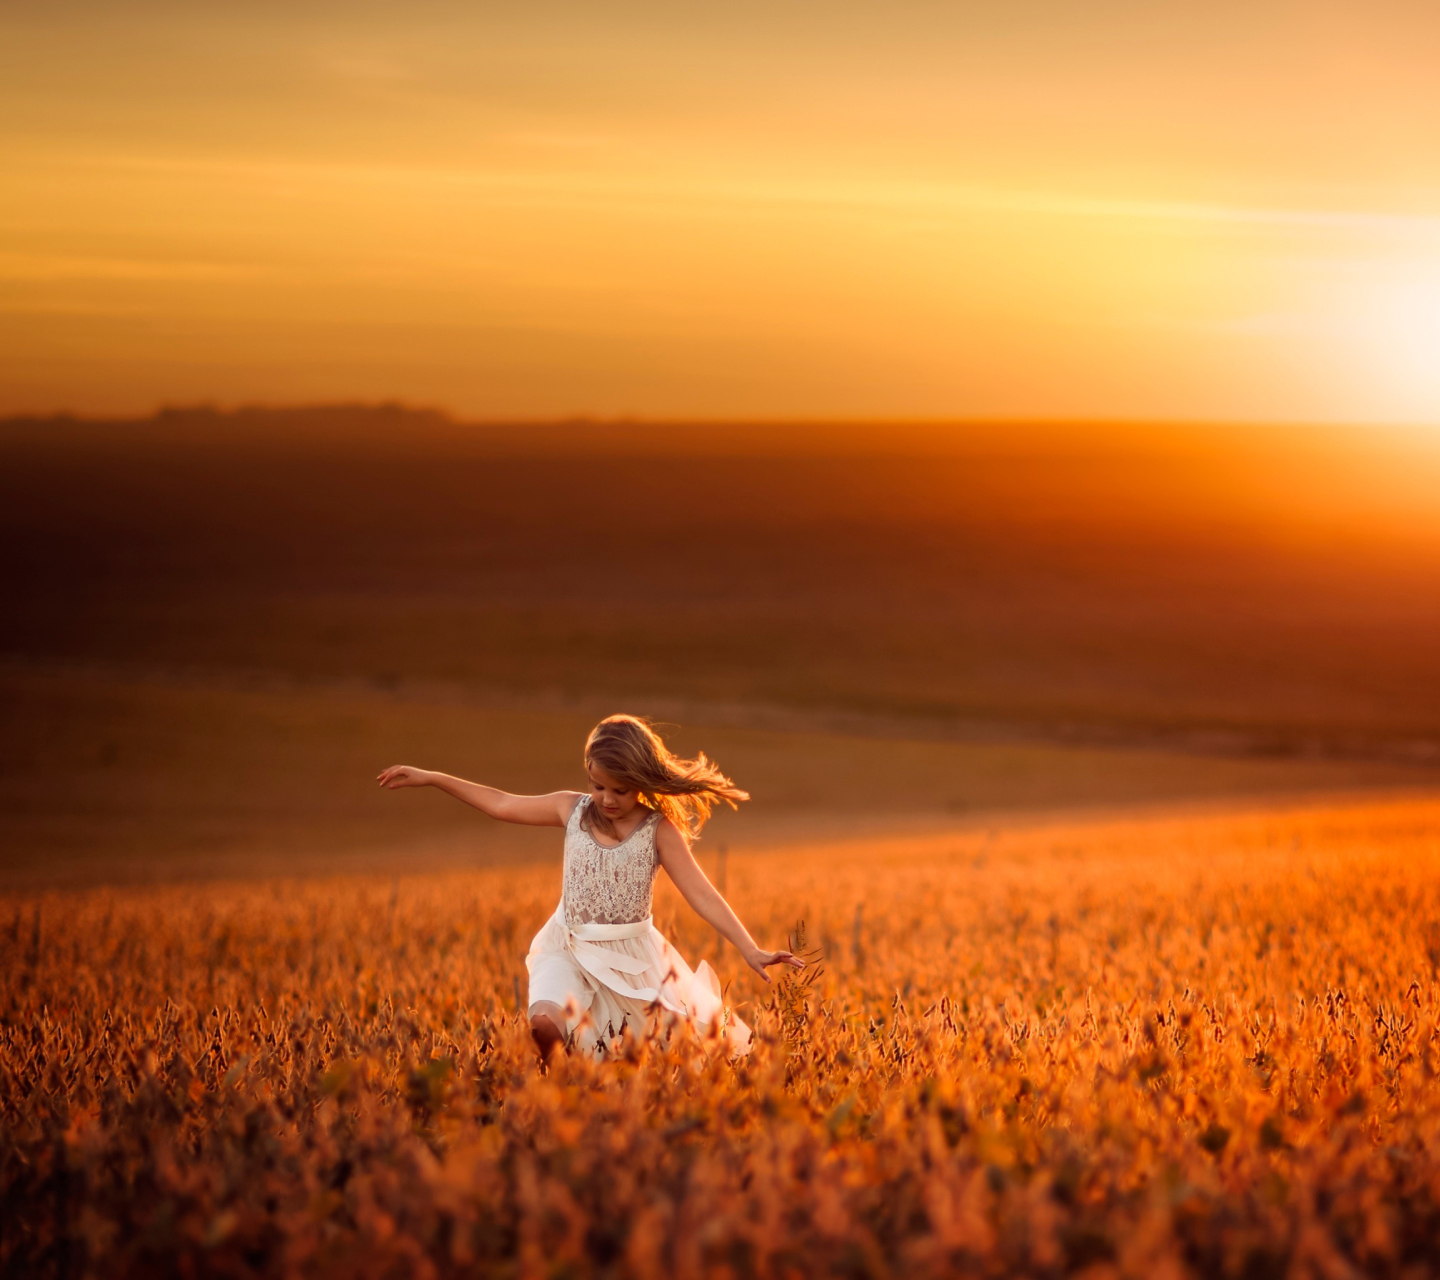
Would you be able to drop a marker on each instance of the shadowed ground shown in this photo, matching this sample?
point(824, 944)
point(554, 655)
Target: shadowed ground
point(218, 628)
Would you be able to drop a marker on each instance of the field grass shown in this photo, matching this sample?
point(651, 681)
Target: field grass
point(1199, 1044)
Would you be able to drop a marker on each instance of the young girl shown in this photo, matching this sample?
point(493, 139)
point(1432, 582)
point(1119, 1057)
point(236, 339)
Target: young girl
point(599, 964)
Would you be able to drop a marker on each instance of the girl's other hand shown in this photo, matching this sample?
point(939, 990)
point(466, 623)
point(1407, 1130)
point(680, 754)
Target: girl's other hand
point(403, 775)
point(761, 960)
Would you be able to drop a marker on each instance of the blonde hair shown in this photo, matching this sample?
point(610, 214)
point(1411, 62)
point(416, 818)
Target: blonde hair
point(685, 791)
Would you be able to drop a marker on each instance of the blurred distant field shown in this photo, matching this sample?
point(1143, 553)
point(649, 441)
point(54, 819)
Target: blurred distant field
point(110, 779)
point(217, 628)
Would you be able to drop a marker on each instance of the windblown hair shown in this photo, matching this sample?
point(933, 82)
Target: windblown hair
point(685, 791)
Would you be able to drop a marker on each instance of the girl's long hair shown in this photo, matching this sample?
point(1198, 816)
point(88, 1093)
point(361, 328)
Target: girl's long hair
point(685, 791)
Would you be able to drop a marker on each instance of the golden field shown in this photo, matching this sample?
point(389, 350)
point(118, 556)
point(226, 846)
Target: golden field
point(1194, 1043)
point(1101, 761)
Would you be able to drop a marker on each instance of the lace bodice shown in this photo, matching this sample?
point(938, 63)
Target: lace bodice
point(608, 886)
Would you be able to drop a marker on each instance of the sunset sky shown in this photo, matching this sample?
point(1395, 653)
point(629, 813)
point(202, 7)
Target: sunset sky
point(1222, 210)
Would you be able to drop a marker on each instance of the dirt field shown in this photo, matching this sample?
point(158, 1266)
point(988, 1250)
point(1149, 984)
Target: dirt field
point(112, 778)
point(217, 628)
point(1271, 591)
point(1199, 1044)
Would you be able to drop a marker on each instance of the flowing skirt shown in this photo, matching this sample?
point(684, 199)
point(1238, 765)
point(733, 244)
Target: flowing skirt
point(610, 976)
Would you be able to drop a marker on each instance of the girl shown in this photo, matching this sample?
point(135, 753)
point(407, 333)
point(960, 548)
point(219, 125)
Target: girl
point(599, 964)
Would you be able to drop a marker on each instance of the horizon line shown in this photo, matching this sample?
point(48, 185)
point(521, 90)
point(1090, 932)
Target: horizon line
point(590, 418)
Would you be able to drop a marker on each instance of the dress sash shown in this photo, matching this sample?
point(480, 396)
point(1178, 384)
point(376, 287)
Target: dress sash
point(606, 964)
point(598, 932)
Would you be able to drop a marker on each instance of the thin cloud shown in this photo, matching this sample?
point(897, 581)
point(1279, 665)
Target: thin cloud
point(48, 267)
point(683, 188)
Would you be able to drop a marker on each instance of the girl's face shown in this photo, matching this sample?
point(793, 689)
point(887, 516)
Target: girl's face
point(615, 799)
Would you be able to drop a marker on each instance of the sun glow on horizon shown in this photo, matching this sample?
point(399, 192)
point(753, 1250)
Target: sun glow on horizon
point(1406, 336)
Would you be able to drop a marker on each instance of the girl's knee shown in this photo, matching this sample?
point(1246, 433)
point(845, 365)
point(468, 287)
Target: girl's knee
point(547, 1027)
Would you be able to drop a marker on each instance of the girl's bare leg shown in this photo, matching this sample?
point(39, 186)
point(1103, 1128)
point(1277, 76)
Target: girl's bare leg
point(547, 1021)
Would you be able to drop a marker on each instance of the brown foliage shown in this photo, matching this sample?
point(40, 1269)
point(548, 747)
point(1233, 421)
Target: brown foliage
point(1200, 1045)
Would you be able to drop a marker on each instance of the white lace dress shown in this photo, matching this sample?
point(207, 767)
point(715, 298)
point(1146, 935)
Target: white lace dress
point(600, 956)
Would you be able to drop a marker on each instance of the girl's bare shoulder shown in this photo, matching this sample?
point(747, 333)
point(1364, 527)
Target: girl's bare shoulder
point(669, 837)
point(567, 802)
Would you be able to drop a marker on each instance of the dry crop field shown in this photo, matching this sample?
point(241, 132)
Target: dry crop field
point(1273, 591)
point(1190, 1044)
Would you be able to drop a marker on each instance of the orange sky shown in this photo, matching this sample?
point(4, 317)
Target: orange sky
point(1218, 210)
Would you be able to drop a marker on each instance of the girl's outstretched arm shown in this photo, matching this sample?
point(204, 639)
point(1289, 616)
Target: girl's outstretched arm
point(709, 905)
point(531, 811)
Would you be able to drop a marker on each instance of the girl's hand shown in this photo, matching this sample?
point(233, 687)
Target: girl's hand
point(403, 775)
point(761, 960)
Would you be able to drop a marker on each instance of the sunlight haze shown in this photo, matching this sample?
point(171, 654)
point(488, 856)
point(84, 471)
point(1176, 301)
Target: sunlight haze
point(1223, 211)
